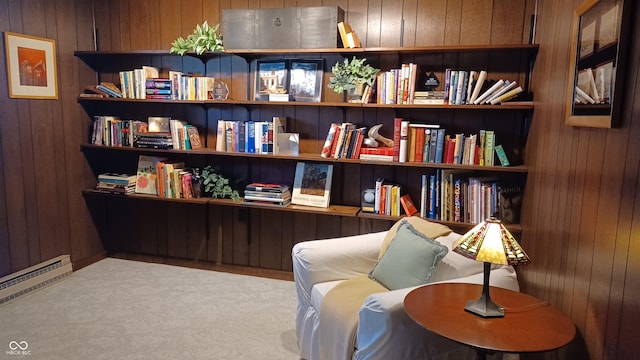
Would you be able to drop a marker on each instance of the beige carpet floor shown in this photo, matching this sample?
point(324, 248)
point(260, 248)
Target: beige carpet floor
point(121, 309)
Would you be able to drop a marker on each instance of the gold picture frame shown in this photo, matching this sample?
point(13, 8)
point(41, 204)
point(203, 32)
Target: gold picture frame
point(597, 63)
point(31, 66)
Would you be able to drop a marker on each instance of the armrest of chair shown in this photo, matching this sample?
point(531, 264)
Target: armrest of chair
point(334, 259)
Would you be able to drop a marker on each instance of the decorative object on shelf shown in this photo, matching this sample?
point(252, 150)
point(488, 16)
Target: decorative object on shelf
point(491, 243)
point(431, 81)
point(272, 77)
point(305, 81)
point(220, 90)
point(312, 184)
point(204, 38)
point(196, 183)
point(31, 66)
point(350, 76)
point(375, 135)
point(597, 65)
point(216, 185)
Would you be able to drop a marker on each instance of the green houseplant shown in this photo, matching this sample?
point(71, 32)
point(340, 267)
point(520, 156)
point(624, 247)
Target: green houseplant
point(204, 38)
point(351, 75)
point(216, 185)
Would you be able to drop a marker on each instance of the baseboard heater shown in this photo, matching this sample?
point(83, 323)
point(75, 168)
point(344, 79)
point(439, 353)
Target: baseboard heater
point(34, 277)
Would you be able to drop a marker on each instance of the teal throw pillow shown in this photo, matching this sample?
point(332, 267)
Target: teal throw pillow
point(409, 261)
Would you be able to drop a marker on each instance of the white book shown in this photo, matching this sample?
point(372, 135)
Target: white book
point(583, 97)
point(490, 91)
point(478, 86)
point(221, 141)
point(404, 139)
point(506, 96)
point(508, 85)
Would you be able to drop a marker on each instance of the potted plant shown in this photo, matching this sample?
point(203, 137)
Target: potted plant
point(350, 76)
point(204, 38)
point(217, 186)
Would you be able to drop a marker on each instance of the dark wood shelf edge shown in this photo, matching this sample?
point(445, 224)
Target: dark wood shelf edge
point(310, 157)
point(304, 103)
point(517, 228)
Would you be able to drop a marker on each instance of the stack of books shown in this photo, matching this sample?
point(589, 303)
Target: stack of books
point(269, 194)
point(113, 183)
point(158, 88)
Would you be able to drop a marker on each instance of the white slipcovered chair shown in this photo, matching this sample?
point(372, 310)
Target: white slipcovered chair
point(384, 330)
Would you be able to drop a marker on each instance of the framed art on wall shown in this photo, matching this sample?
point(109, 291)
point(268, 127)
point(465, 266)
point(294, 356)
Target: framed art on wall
point(31, 66)
point(597, 65)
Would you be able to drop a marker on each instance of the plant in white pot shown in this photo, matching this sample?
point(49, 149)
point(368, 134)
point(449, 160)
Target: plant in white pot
point(350, 76)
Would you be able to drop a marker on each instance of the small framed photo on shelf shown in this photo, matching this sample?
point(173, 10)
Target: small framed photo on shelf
point(305, 82)
point(31, 66)
point(312, 184)
point(271, 79)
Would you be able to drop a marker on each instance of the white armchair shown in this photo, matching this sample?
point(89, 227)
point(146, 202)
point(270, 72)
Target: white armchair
point(384, 330)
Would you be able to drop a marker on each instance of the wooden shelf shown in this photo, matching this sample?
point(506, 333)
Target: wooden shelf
point(525, 106)
point(452, 224)
point(310, 157)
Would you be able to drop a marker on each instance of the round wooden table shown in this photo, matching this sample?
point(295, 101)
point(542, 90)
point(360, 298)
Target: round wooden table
point(529, 324)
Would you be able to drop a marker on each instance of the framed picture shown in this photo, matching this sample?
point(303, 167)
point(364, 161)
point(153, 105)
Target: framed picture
point(31, 66)
point(305, 82)
point(271, 78)
point(312, 184)
point(598, 63)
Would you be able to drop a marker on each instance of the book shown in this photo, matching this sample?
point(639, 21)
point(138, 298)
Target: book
point(326, 147)
point(497, 85)
point(478, 87)
point(279, 126)
point(404, 140)
point(348, 36)
point(502, 156)
point(312, 184)
point(268, 187)
point(508, 95)
point(194, 137)
point(407, 205)
point(146, 176)
point(509, 202)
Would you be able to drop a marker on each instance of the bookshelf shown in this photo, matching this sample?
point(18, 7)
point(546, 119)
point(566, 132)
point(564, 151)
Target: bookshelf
point(311, 120)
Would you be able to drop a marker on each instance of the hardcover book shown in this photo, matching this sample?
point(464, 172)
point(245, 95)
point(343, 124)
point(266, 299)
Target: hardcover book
point(312, 184)
point(146, 176)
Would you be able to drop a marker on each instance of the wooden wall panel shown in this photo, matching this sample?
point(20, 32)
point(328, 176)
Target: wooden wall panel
point(581, 201)
point(581, 206)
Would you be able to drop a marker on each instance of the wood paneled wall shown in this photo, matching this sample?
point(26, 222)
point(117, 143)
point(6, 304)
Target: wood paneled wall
point(582, 202)
point(42, 213)
point(581, 197)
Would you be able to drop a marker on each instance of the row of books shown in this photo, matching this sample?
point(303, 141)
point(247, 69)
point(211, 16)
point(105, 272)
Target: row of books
point(389, 200)
point(190, 86)
point(164, 178)
point(156, 132)
point(396, 86)
point(429, 143)
point(268, 194)
point(254, 137)
point(458, 196)
point(472, 87)
point(114, 183)
point(344, 141)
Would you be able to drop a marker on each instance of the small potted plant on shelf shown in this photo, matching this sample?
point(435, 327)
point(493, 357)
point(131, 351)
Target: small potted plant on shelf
point(214, 185)
point(350, 76)
point(204, 38)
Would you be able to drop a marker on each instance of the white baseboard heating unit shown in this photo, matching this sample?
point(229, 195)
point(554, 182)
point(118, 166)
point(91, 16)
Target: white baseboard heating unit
point(34, 277)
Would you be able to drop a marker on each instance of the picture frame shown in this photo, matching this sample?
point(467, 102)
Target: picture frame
point(597, 65)
point(271, 77)
point(305, 82)
point(312, 184)
point(31, 66)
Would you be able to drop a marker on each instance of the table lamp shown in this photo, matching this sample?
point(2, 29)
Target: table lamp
point(491, 243)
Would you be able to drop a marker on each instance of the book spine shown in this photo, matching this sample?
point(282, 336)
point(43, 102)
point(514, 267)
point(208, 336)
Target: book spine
point(404, 139)
point(439, 146)
point(397, 125)
point(502, 156)
point(326, 148)
point(424, 196)
point(488, 149)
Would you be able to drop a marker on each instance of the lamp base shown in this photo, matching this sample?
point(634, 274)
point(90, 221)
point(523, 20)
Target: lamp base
point(485, 308)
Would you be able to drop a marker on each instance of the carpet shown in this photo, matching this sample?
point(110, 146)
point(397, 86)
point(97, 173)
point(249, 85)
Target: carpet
point(122, 309)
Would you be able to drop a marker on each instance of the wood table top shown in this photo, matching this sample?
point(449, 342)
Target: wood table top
point(529, 324)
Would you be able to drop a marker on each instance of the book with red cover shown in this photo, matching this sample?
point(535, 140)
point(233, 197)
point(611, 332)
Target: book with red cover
point(408, 205)
point(397, 124)
point(377, 151)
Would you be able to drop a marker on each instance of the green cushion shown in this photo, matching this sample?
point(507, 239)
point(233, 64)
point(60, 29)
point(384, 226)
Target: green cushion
point(410, 259)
